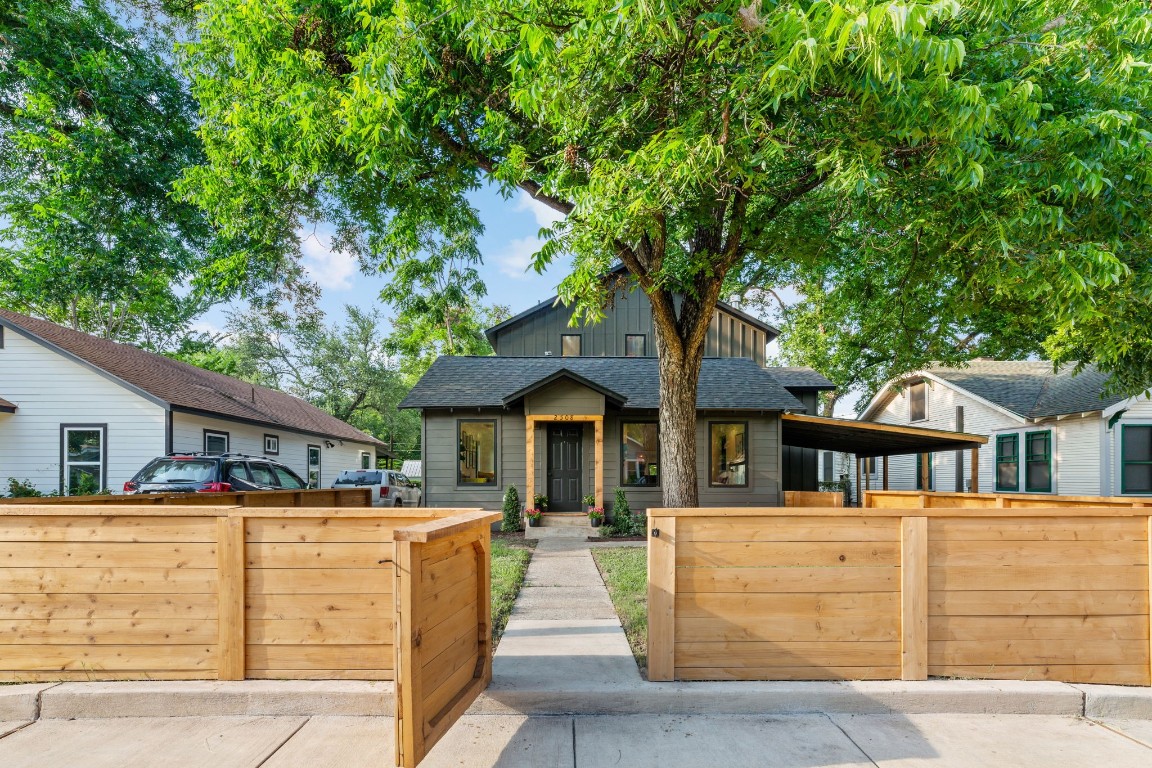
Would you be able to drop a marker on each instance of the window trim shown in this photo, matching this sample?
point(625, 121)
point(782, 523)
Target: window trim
point(643, 347)
point(319, 465)
point(366, 457)
point(747, 456)
point(495, 422)
point(579, 342)
point(268, 437)
point(218, 433)
point(1124, 462)
point(927, 414)
point(64, 463)
point(1028, 460)
point(1014, 437)
point(620, 463)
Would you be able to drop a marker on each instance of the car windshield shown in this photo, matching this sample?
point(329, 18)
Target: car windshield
point(178, 471)
point(359, 477)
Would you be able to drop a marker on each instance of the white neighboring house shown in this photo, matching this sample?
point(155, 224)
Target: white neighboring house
point(1049, 431)
point(73, 404)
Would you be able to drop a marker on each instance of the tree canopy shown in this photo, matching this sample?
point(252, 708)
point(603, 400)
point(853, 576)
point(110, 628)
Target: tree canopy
point(991, 156)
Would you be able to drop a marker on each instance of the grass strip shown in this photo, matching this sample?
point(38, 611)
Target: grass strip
point(625, 573)
point(510, 558)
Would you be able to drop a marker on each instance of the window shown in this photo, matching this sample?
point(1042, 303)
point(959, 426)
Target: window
point(1008, 462)
point(918, 401)
point(83, 455)
point(635, 345)
point(570, 345)
point(920, 473)
point(1135, 459)
point(272, 445)
point(288, 481)
point(1038, 462)
point(639, 453)
point(262, 474)
point(727, 458)
point(365, 460)
point(477, 452)
point(313, 466)
point(215, 442)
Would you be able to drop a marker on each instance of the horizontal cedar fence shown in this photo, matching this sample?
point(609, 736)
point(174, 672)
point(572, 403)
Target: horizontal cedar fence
point(938, 499)
point(443, 627)
point(813, 498)
point(322, 497)
point(187, 592)
point(1055, 593)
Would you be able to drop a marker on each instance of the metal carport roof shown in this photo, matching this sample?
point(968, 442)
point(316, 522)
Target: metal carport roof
point(869, 439)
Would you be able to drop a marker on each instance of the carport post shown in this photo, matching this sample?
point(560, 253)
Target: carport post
point(859, 491)
point(975, 470)
point(885, 473)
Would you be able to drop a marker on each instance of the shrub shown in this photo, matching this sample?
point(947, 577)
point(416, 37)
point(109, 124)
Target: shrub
point(624, 523)
point(22, 489)
point(511, 521)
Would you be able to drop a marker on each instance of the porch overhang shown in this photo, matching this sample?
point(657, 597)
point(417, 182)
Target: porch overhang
point(867, 439)
point(7, 407)
point(615, 398)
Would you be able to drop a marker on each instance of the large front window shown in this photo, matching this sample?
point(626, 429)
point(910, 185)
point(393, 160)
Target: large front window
point(476, 464)
point(728, 454)
point(83, 460)
point(1135, 459)
point(639, 454)
point(1038, 462)
point(1008, 462)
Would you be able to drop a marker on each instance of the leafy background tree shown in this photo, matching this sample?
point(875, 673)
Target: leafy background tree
point(954, 160)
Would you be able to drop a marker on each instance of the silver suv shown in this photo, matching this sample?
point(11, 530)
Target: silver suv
point(389, 488)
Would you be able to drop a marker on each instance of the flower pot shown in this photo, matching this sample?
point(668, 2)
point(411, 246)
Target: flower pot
point(533, 522)
point(595, 521)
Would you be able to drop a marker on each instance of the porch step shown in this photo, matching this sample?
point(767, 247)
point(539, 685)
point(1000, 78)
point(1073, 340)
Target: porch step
point(558, 532)
point(564, 520)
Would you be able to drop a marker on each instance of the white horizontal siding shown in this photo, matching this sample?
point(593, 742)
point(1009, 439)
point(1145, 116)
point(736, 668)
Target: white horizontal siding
point(188, 435)
point(1077, 457)
point(49, 390)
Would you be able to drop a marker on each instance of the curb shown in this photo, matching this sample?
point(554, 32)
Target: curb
point(30, 702)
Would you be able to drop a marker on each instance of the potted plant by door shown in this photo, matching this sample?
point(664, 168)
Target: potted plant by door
point(533, 516)
point(541, 502)
point(595, 516)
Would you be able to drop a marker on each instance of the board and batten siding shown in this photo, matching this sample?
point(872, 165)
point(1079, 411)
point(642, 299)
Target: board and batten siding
point(188, 435)
point(49, 390)
point(979, 419)
point(539, 334)
point(441, 456)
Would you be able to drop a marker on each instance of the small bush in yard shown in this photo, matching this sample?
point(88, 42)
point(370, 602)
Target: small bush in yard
point(22, 489)
point(511, 521)
point(624, 523)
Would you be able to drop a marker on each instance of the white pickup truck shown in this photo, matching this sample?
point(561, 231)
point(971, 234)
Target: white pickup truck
point(389, 488)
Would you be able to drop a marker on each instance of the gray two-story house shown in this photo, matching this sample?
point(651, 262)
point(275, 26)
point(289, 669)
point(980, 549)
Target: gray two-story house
point(571, 411)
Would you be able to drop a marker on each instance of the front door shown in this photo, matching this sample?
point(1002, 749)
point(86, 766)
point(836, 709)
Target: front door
point(564, 461)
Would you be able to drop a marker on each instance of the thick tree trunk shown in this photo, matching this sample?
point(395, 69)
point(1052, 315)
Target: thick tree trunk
point(679, 380)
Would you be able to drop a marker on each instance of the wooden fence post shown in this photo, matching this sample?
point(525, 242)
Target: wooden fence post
point(662, 599)
point(230, 566)
point(914, 598)
point(1150, 600)
point(407, 575)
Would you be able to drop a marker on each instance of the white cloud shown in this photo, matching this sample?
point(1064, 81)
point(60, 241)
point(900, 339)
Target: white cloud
point(515, 261)
point(545, 216)
point(330, 269)
point(206, 327)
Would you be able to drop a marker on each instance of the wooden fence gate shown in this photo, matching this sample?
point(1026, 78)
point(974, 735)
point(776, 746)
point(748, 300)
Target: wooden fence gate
point(443, 626)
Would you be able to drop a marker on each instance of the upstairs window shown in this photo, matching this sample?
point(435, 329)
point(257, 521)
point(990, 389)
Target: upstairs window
point(570, 345)
point(1135, 459)
point(1038, 462)
point(1008, 462)
point(635, 345)
point(918, 401)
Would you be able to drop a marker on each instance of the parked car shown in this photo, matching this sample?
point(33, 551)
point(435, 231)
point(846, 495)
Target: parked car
point(389, 488)
point(213, 473)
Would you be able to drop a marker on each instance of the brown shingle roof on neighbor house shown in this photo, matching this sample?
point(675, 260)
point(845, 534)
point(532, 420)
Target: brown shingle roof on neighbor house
point(186, 387)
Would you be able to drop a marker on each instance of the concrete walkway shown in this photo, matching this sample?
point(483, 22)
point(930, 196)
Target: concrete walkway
point(567, 694)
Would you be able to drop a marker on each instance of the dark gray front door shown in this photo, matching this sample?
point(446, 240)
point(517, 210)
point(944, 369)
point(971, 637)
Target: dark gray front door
point(564, 460)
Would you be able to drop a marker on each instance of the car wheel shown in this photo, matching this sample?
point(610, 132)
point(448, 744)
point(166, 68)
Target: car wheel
point(399, 502)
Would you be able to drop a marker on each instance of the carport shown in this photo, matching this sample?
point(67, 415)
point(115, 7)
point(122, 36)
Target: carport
point(869, 440)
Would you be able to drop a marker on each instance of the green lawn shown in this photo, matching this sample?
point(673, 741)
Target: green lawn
point(510, 558)
point(625, 572)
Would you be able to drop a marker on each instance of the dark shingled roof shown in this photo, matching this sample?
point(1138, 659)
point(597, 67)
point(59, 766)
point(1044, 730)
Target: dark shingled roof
point(487, 382)
point(1030, 388)
point(794, 377)
point(187, 387)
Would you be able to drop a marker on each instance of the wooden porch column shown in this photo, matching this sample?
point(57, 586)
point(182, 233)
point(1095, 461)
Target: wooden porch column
point(975, 470)
point(924, 485)
point(599, 459)
point(868, 474)
point(529, 460)
point(885, 473)
point(859, 490)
